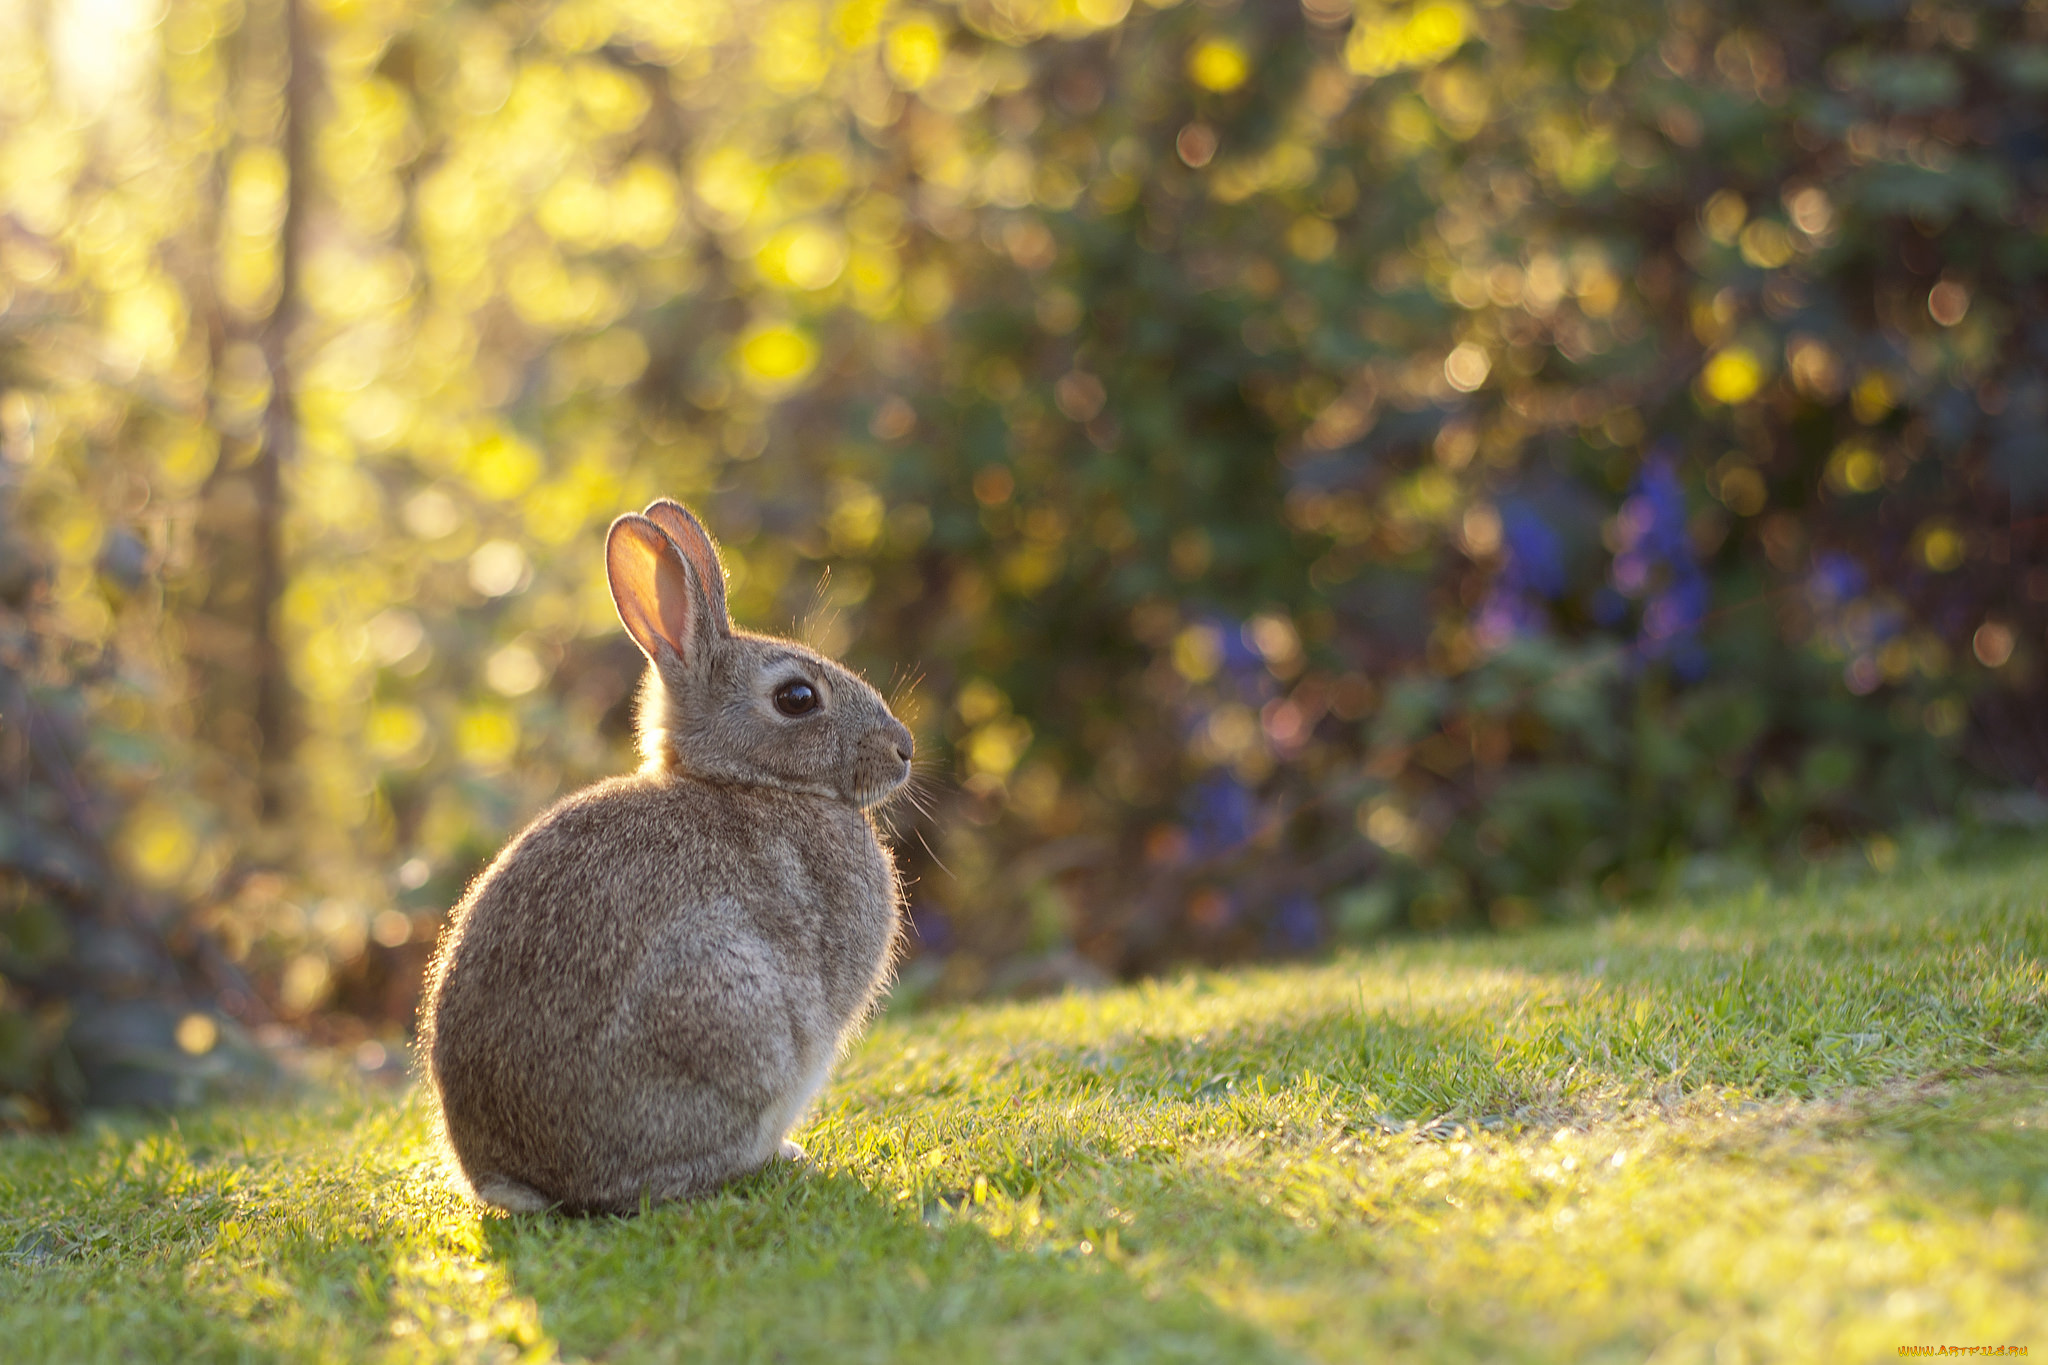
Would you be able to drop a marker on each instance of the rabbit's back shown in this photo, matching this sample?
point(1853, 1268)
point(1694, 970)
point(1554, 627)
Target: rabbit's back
point(647, 986)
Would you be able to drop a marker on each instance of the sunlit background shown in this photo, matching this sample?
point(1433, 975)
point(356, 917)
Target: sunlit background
point(1306, 471)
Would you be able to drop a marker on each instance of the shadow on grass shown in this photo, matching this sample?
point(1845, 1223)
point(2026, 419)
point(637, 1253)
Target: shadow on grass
point(1979, 1143)
point(807, 1265)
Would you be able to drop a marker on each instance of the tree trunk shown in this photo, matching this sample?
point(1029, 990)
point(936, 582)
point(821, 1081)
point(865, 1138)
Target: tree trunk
point(240, 674)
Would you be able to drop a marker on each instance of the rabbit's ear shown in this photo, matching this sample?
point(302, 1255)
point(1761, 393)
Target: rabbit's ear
point(700, 549)
point(657, 592)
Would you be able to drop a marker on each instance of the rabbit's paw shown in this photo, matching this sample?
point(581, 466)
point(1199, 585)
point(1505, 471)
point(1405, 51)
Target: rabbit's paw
point(791, 1152)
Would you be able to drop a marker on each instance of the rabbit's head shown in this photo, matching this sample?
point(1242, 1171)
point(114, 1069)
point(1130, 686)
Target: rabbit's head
point(731, 706)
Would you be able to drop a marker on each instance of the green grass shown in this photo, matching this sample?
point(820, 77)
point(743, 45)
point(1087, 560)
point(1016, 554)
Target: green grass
point(1788, 1125)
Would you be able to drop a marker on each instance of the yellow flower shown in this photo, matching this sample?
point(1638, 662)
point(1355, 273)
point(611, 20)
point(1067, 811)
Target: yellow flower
point(1733, 375)
point(776, 356)
point(913, 52)
point(1424, 36)
point(1941, 547)
point(1219, 65)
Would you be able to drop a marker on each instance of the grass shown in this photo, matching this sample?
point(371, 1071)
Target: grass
point(1804, 1124)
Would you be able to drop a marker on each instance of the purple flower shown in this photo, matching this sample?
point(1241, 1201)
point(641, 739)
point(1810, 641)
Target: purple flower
point(1678, 610)
point(1655, 561)
point(1651, 526)
point(1535, 552)
point(1532, 572)
point(1240, 660)
point(1297, 924)
point(1847, 618)
point(1507, 615)
point(1834, 579)
point(1220, 814)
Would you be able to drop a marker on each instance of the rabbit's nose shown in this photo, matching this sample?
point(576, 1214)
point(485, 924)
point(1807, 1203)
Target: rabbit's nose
point(904, 745)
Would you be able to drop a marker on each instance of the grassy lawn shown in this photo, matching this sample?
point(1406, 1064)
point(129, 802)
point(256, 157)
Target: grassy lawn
point(1806, 1124)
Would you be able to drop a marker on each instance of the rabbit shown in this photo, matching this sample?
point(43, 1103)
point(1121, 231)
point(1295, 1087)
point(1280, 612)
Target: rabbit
point(642, 994)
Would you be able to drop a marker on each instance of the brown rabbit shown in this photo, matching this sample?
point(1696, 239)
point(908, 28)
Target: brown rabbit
point(645, 990)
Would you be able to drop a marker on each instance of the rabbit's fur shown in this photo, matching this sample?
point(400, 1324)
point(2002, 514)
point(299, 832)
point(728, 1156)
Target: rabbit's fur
point(644, 991)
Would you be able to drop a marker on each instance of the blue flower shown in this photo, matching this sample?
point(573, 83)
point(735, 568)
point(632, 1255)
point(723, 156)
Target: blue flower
point(1297, 924)
point(1532, 572)
point(1535, 551)
point(1834, 579)
point(1846, 617)
point(1239, 658)
point(1656, 562)
point(1220, 814)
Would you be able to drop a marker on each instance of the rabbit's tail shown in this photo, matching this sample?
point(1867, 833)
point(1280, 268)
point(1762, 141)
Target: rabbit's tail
point(510, 1195)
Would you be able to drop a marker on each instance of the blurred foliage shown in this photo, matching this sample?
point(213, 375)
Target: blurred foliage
point(1323, 467)
point(103, 1000)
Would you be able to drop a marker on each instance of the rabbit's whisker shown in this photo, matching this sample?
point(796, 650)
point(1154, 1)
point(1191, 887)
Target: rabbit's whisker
point(900, 694)
point(937, 861)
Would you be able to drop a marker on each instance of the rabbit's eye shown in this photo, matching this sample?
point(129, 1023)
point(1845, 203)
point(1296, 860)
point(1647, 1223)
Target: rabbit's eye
point(795, 697)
